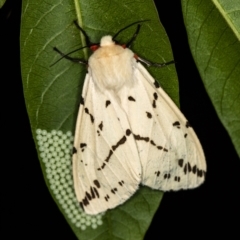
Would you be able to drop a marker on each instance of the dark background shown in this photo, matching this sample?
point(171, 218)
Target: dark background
point(208, 210)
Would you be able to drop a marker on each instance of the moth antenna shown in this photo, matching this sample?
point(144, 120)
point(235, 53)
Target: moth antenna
point(128, 27)
point(67, 56)
point(128, 45)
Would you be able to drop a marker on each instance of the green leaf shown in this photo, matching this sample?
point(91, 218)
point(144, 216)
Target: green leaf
point(230, 10)
point(52, 96)
point(216, 51)
point(2, 3)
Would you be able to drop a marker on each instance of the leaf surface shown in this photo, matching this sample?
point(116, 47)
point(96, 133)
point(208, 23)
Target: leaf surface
point(216, 51)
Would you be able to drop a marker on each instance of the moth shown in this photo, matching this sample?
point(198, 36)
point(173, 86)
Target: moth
point(128, 131)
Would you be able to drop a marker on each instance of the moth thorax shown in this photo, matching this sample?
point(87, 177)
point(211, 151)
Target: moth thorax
point(106, 41)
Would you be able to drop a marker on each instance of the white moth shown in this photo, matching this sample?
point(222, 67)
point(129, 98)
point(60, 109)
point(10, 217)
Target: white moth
point(129, 132)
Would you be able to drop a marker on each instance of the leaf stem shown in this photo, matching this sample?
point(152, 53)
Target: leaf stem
point(80, 22)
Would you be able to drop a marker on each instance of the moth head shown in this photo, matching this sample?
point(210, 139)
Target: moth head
point(106, 41)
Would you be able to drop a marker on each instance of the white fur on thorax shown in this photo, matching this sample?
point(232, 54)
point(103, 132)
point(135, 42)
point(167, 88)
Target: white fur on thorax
point(111, 66)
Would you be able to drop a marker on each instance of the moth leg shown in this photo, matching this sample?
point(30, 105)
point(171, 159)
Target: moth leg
point(77, 60)
point(151, 64)
point(88, 42)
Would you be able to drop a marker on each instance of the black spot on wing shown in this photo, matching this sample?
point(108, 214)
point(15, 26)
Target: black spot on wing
point(85, 201)
point(88, 195)
point(121, 183)
point(96, 192)
point(147, 139)
point(107, 103)
point(83, 146)
point(96, 182)
point(74, 150)
point(188, 124)
point(101, 126)
point(158, 147)
point(155, 95)
point(185, 135)
point(199, 173)
point(177, 178)
point(194, 169)
point(149, 115)
point(154, 104)
point(81, 205)
point(157, 173)
point(138, 137)
point(114, 190)
point(91, 116)
point(103, 165)
point(82, 100)
point(108, 157)
point(106, 197)
point(153, 143)
point(176, 124)
point(92, 192)
point(120, 142)
point(185, 169)
point(162, 148)
point(128, 132)
point(130, 98)
point(167, 175)
point(156, 84)
point(180, 162)
point(189, 167)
